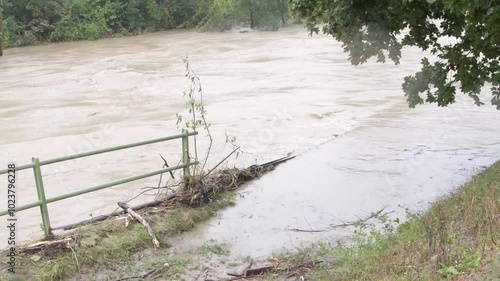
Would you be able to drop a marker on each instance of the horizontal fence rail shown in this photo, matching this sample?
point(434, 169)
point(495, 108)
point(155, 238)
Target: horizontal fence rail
point(43, 202)
point(100, 151)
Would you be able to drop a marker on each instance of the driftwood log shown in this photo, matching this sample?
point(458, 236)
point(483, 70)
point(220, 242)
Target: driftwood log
point(40, 246)
point(139, 218)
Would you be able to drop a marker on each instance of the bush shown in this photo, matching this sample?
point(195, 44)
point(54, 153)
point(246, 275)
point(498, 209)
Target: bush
point(11, 32)
point(29, 22)
point(218, 16)
point(84, 19)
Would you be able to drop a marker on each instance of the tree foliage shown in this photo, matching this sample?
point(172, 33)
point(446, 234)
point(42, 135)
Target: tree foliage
point(463, 34)
point(265, 14)
point(259, 13)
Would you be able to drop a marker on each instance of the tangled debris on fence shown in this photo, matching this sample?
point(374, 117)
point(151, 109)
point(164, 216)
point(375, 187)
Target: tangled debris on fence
point(200, 189)
point(197, 190)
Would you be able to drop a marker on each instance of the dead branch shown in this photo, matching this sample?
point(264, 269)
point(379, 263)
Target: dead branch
point(140, 219)
point(278, 161)
point(64, 243)
point(305, 230)
point(250, 265)
point(166, 166)
point(361, 220)
point(222, 161)
point(146, 274)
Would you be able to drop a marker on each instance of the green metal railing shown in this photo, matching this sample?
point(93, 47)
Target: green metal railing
point(1, 28)
point(43, 201)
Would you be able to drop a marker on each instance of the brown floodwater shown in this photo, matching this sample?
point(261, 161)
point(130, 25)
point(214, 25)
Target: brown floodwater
point(361, 148)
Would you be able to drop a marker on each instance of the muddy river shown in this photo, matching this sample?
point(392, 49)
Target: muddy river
point(361, 148)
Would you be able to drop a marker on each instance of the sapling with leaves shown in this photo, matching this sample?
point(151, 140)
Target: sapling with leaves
point(196, 120)
point(197, 113)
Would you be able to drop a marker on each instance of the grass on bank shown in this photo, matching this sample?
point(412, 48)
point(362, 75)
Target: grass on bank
point(457, 238)
point(110, 244)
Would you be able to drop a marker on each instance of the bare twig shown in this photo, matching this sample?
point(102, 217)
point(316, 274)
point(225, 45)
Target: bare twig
point(152, 188)
point(305, 230)
point(242, 277)
point(225, 158)
point(139, 218)
point(278, 161)
point(162, 187)
point(166, 165)
point(344, 224)
point(64, 243)
point(146, 189)
point(250, 265)
point(361, 220)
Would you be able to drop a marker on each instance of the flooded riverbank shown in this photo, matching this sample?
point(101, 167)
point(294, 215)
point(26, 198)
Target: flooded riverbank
point(277, 92)
point(388, 163)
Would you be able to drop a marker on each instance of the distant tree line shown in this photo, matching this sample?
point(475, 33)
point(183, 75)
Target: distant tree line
point(30, 22)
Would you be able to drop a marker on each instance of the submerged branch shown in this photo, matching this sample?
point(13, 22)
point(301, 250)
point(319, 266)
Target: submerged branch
point(361, 221)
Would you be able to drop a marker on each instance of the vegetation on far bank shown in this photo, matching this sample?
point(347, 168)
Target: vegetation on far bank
point(31, 22)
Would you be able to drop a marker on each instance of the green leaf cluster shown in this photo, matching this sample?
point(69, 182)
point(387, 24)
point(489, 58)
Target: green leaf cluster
point(463, 34)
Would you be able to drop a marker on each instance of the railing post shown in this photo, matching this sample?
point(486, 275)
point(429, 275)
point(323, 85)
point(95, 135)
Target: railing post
point(1, 28)
point(41, 196)
point(185, 151)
